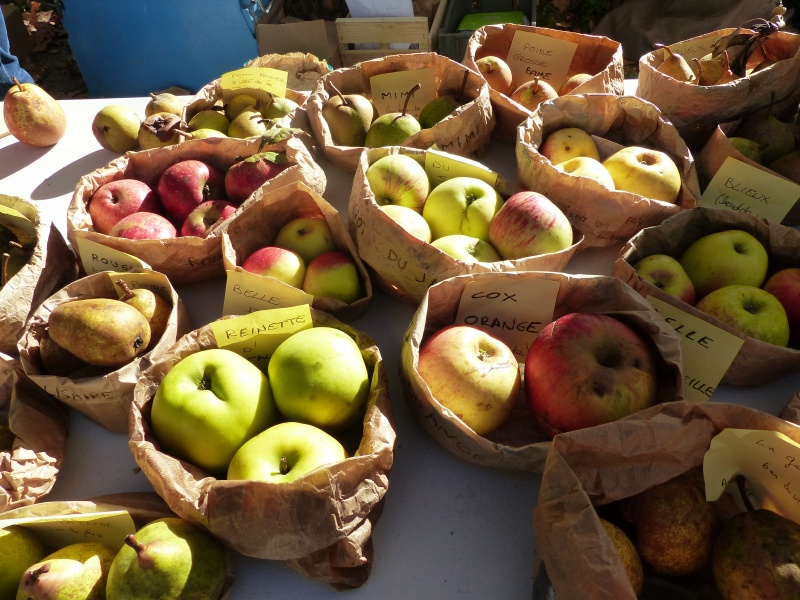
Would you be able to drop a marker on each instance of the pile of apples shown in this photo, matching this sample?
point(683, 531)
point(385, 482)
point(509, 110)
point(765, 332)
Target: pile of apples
point(190, 198)
point(218, 411)
point(725, 275)
point(465, 217)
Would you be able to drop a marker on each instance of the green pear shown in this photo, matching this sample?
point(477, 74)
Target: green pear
point(164, 102)
point(159, 129)
point(116, 128)
point(787, 165)
point(238, 103)
point(676, 66)
point(748, 148)
point(247, 123)
point(773, 135)
point(19, 549)
point(392, 129)
point(278, 107)
point(152, 306)
point(442, 106)
point(348, 117)
point(75, 572)
point(169, 559)
point(202, 134)
point(209, 119)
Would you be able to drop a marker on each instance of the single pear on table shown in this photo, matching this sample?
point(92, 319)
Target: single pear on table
point(392, 129)
point(348, 117)
point(116, 128)
point(32, 115)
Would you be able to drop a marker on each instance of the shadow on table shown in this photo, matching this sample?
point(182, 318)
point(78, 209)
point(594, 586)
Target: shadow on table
point(66, 179)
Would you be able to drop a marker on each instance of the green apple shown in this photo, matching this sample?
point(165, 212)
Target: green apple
point(666, 273)
point(649, 173)
point(285, 452)
point(398, 179)
point(461, 205)
point(319, 377)
point(333, 275)
point(727, 257)
point(750, 310)
point(466, 248)
point(409, 219)
point(306, 236)
point(208, 405)
point(566, 143)
point(19, 549)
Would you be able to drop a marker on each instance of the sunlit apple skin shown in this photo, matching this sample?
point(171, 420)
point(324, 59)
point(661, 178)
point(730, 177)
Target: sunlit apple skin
point(409, 219)
point(471, 373)
point(666, 273)
point(466, 248)
point(308, 236)
point(586, 369)
point(206, 216)
point(119, 198)
point(496, 72)
point(333, 275)
point(278, 263)
point(144, 226)
point(532, 93)
point(649, 173)
point(398, 179)
point(185, 184)
point(566, 143)
point(750, 310)
point(462, 205)
point(247, 175)
point(586, 166)
point(785, 286)
point(529, 224)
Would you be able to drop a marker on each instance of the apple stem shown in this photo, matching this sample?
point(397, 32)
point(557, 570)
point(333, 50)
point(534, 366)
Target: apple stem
point(740, 483)
point(408, 97)
point(127, 293)
point(284, 468)
point(463, 85)
point(338, 93)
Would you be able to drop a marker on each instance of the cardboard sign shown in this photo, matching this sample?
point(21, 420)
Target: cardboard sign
point(108, 527)
point(257, 81)
point(151, 280)
point(769, 461)
point(513, 311)
point(246, 293)
point(708, 351)
point(441, 166)
point(97, 258)
point(745, 189)
point(534, 55)
point(389, 90)
point(697, 48)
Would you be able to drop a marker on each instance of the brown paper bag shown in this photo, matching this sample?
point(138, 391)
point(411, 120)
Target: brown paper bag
point(406, 266)
point(599, 56)
point(320, 524)
point(696, 109)
point(757, 362)
point(466, 131)
point(51, 266)
point(304, 69)
point(259, 224)
point(518, 443)
point(596, 466)
point(606, 217)
point(38, 438)
point(101, 395)
point(187, 258)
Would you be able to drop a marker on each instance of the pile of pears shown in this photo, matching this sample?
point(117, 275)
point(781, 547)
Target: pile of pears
point(17, 242)
point(168, 558)
point(89, 337)
point(33, 116)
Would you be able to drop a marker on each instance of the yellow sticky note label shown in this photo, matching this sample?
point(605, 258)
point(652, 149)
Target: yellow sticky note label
point(441, 166)
point(745, 189)
point(695, 48)
point(151, 280)
point(109, 528)
point(534, 55)
point(513, 311)
point(97, 258)
point(769, 461)
point(389, 90)
point(246, 293)
point(20, 225)
point(708, 351)
point(256, 335)
point(258, 81)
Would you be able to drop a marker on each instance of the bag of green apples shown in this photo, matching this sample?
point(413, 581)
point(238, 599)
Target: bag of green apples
point(510, 56)
point(485, 376)
point(166, 206)
point(614, 164)
point(734, 272)
point(87, 344)
point(612, 496)
point(457, 113)
point(38, 262)
point(291, 247)
point(287, 455)
point(395, 241)
point(33, 438)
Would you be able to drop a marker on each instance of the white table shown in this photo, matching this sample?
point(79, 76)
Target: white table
point(450, 530)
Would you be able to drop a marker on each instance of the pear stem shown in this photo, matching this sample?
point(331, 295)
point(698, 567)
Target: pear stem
point(284, 467)
point(740, 483)
point(131, 541)
point(39, 571)
point(127, 293)
point(338, 93)
point(463, 85)
point(408, 97)
point(184, 134)
point(16, 82)
point(4, 268)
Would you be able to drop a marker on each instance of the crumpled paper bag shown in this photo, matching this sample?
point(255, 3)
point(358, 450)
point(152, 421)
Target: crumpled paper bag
point(304, 69)
point(606, 217)
point(518, 444)
point(104, 397)
point(464, 132)
point(757, 362)
point(599, 56)
point(184, 258)
point(39, 427)
point(320, 524)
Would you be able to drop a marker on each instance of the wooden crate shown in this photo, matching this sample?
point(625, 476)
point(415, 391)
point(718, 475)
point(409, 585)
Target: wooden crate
point(420, 32)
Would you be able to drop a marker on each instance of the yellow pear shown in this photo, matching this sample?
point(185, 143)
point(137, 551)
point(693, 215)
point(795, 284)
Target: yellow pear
point(32, 115)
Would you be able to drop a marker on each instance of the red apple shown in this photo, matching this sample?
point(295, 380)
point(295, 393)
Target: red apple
point(188, 183)
point(785, 286)
point(666, 273)
point(117, 199)
point(279, 263)
point(206, 216)
point(246, 176)
point(144, 226)
point(586, 369)
point(333, 274)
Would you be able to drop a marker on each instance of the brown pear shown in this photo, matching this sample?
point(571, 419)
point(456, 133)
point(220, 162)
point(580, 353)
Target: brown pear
point(628, 555)
point(152, 306)
point(55, 359)
point(32, 115)
point(160, 129)
point(676, 66)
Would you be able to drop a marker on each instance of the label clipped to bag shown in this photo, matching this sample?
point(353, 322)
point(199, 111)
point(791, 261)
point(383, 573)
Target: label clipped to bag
point(748, 190)
point(708, 351)
point(696, 48)
point(107, 527)
point(441, 166)
point(515, 311)
point(533, 55)
point(256, 335)
point(97, 258)
point(246, 293)
point(151, 280)
point(258, 81)
point(389, 90)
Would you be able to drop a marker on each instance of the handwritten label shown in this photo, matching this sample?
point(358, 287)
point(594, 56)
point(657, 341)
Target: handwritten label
point(389, 90)
point(606, 147)
point(769, 461)
point(151, 280)
point(260, 82)
point(748, 190)
point(108, 527)
point(256, 335)
point(534, 55)
point(708, 351)
point(513, 311)
point(696, 48)
point(247, 292)
point(97, 258)
point(441, 166)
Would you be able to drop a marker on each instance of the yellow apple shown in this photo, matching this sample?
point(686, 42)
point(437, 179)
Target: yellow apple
point(586, 166)
point(649, 173)
point(566, 143)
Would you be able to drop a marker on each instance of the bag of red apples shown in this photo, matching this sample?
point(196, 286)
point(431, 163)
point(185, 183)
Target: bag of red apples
point(495, 364)
point(166, 206)
point(595, 67)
